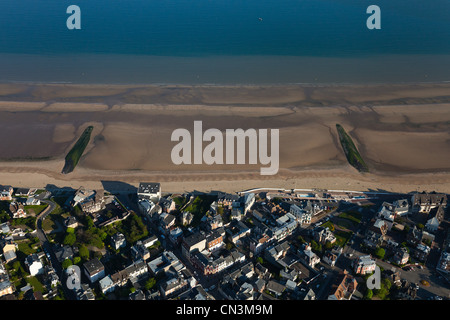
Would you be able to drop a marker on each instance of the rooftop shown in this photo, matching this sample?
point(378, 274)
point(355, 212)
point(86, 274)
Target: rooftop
point(149, 187)
point(93, 266)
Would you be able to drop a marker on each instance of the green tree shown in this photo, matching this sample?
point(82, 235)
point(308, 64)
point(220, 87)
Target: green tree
point(379, 253)
point(16, 266)
point(89, 222)
point(76, 260)
point(83, 251)
point(66, 263)
point(316, 247)
point(328, 245)
point(69, 239)
point(150, 283)
point(301, 240)
point(369, 294)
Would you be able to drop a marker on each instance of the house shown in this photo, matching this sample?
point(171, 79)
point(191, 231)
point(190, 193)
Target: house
point(414, 236)
point(6, 193)
point(71, 222)
point(137, 295)
point(146, 207)
point(173, 286)
point(307, 295)
point(139, 252)
point(63, 252)
point(106, 285)
point(401, 207)
point(119, 278)
point(164, 262)
point(166, 221)
point(301, 215)
point(81, 195)
point(444, 263)
point(32, 202)
point(167, 205)
point(195, 293)
point(214, 240)
point(407, 291)
point(381, 227)
point(364, 265)
point(344, 287)
point(9, 250)
point(94, 203)
point(401, 256)
point(150, 241)
point(136, 270)
point(149, 191)
point(196, 241)
point(331, 256)
point(5, 228)
point(435, 218)
point(258, 215)
point(186, 218)
point(17, 210)
point(34, 264)
point(85, 293)
point(9, 256)
point(387, 212)
point(214, 221)
point(213, 207)
point(424, 202)
point(247, 201)
point(118, 241)
point(275, 288)
point(51, 279)
point(94, 270)
point(227, 199)
point(236, 230)
point(421, 252)
point(237, 213)
point(307, 256)
point(6, 287)
point(209, 264)
point(8, 245)
point(323, 235)
point(23, 192)
point(276, 252)
point(258, 242)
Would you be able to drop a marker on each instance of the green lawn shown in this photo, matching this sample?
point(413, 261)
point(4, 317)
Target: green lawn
point(328, 225)
point(342, 237)
point(344, 223)
point(37, 209)
point(28, 246)
point(353, 216)
point(36, 284)
point(199, 207)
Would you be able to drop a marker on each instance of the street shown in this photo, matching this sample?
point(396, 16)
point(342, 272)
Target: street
point(69, 294)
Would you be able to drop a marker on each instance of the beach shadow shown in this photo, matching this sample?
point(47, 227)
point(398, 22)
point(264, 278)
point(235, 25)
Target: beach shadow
point(126, 193)
point(118, 187)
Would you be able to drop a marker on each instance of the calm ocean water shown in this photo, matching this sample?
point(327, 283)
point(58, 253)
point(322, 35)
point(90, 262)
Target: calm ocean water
point(224, 41)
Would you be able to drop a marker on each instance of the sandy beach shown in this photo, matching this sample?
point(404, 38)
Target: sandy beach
point(402, 132)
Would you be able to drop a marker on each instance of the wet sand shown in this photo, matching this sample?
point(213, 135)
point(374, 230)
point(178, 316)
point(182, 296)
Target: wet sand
point(402, 132)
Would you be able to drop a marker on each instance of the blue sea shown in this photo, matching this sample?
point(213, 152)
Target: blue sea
point(224, 42)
